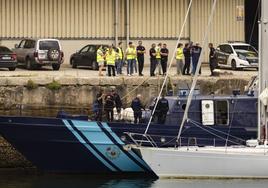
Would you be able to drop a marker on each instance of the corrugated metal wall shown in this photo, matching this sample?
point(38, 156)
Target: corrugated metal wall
point(94, 19)
point(157, 18)
point(225, 25)
point(57, 18)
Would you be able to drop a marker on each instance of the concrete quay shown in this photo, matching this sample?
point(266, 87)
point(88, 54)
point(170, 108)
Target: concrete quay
point(81, 91)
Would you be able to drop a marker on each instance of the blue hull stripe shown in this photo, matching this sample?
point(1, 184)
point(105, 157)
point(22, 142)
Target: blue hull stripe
point(119, 141)
point(95, 135)
point(106, 129)
point(89, 146)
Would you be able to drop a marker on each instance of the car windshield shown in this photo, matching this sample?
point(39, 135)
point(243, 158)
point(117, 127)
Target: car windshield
point(4, 49)
point(246, 50)
point(46, 45)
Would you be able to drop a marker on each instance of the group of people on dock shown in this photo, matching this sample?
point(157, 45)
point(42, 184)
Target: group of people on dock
point(107, 102)
point(187, 57)
point(111, 100)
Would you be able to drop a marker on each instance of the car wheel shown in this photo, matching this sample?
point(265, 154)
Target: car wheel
point(56, 66)
point(95, 65)
point(233, 64)
point(29, 65)
point(53, 54)
point(12, 68)
point(74, 65)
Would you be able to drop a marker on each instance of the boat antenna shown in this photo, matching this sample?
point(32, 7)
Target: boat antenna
point(190, 96)
point(170, 63)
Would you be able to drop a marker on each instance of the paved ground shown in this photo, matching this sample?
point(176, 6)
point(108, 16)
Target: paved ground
point(67, 71)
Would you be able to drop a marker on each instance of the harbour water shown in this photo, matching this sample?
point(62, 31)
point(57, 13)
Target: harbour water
point(73, 181)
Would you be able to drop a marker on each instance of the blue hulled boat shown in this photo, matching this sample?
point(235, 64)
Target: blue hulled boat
point(69, 145)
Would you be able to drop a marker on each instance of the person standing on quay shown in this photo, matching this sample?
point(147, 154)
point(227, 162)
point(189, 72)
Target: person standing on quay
point(100, 59)
point(179, 59)
point(196, 52)
point(187, 59)
point(152, 60)
point(164, 58)
point(135, 61)
point(110, 60)
point(212, 59)
point(158, 57)
point(130, 54)
point(120, 58)
point(140, 56)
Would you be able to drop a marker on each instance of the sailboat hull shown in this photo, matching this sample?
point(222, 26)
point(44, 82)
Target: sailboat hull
point(207, 163)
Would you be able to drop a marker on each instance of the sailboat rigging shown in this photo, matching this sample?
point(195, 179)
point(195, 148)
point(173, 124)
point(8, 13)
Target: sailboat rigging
point(168, 70)
point(217, 162)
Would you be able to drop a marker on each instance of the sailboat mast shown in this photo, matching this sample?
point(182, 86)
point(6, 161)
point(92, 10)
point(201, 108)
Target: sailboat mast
point(263, 65)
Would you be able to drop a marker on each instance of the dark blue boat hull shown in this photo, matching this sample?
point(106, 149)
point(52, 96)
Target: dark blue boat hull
point(73, 146)
point(52, 147)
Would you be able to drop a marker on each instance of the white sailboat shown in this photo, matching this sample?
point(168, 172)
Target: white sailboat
point(219, 162)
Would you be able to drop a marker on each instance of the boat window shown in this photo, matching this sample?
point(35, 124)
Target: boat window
point(222, 112)
point(183, 106)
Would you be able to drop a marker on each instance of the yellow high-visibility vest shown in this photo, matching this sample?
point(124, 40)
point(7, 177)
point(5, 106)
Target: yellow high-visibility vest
point(99, 55)
point(179, 53)
point(158, 55)
point(135, 53)
point(131, 51)
point(110, 57)
point(120, 53)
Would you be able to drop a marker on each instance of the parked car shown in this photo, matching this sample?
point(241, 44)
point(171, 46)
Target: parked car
point(237, 56)
point(35, 53)
point(8, 59)
point(87, 56)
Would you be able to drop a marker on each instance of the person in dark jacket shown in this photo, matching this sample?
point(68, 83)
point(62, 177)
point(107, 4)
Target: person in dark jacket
point(164, 58)
point(156, 112)
point(108, 107)
point(162, 108)
point(153, 61)
point(140, 57)
point(137, 109)
point(212, 59)
point(196, 52)
point(118, 103)
point(98, 106)
point(187, 59)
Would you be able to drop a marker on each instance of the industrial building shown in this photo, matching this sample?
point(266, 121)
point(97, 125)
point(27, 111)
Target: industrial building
point(80, 22)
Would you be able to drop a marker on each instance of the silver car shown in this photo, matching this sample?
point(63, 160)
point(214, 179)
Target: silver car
point(35, 53)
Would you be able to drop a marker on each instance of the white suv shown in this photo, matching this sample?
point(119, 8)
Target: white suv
point(237, 56)
point(40, 52)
